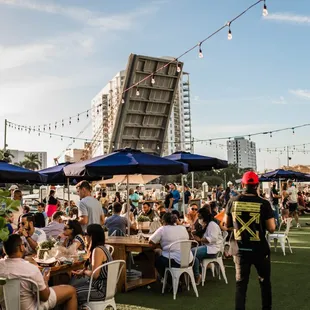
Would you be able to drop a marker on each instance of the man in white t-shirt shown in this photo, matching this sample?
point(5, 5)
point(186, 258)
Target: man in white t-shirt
point(293, 201)
point(166, 235)
point(14, 266)
point(31, 235)
point(90, 209)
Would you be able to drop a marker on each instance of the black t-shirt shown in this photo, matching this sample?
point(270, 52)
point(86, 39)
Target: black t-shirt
point(167, 199)
point(187, 194)
point(273, 200)
point(249, 214)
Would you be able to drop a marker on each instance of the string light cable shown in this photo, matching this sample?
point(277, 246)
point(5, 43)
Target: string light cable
point(153, 74)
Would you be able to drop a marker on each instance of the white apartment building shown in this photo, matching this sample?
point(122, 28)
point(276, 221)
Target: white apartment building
point(19, 156)
point(104, 110)
point(242, 152)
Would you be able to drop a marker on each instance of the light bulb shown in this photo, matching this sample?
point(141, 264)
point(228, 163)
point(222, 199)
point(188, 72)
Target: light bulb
point(153, 80)
point(123, 101)
point(178, 68)
point(137, 92)
point(265, 11)
point(229, 37)
point(200, 51)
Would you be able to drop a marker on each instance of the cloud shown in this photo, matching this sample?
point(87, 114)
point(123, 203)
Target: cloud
point(289, 18)
point(301, 93)
point(85, 16)
point(280, 100)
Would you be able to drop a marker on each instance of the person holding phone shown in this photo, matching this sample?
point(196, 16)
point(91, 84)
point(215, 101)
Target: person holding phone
point(14, 266)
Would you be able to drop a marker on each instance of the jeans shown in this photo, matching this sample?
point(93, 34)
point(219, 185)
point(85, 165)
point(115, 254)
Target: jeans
point(243, 263)
point(202, 253)
point(162, 262)
point(276, 214)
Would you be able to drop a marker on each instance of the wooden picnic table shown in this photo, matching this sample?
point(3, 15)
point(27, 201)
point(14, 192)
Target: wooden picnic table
point(144, 262)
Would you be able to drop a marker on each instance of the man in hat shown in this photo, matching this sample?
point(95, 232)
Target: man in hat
point(250, 216)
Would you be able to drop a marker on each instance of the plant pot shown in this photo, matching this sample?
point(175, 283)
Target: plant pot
point(144, 225)
point(41, 253)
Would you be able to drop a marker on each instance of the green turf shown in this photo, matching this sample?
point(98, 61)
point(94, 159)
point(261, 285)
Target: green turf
point(290, 284)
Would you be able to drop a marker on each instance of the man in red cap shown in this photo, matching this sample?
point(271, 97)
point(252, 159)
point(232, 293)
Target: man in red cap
point(250, 216)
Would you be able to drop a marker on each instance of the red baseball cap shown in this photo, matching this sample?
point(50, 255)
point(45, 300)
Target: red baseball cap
point(250, 177)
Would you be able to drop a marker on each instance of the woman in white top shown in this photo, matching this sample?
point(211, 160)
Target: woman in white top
point(165, 235)
point(212, 240)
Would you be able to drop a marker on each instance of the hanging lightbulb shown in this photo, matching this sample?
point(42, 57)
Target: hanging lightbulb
point(44, 128)
point(73, 140)
point(265, 11)
point(62, 123)
point(87, 115)
point(78, 117)
point(293, 129)
point(270, 134)
point(137, 92)
point(50, 135)
point(123, 101)
point(142, 147)
point(200, 51)
point(157, 147)
point(229, 37)
point(153, 80)
point(178, 67)
point(70, 121)
point(61, 138)
point(56, 125)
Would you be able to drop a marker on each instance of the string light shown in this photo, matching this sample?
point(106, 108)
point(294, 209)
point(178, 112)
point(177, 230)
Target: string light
point(123, 101)
point(153, 80)
point(293, 130)
point(137, 92)
point(87, 115)
point(178, 67)
point(62, 123)
point(56, 125)
point(70, 121)
point(200, 50)
point(78, 117)
point(265, 11)
point(229, 37)
point(270, 134)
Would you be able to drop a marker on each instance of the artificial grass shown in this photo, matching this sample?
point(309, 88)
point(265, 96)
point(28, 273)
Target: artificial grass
point(290, 284)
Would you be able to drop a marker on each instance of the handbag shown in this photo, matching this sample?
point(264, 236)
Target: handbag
point(233, 245)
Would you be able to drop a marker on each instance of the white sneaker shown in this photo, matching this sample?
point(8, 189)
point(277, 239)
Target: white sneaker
point(298, 225)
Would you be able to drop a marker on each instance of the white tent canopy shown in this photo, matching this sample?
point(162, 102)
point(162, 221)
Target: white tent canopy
point(132, 179)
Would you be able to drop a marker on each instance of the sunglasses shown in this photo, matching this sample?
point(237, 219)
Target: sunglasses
point(194, 209)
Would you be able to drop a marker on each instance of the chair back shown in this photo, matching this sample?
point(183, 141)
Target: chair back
point(184, 246)
point(110, 248)
point(117, 233)
point(11, 293)
point(288, 225)
point(114, 271)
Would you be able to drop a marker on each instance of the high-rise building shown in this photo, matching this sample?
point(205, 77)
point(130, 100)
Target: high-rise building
point(105, 106)
point(19, 156)
point(242, 152)
point(75, 155)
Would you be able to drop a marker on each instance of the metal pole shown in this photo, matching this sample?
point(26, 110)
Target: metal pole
point(68, 184)
point(225, 179)
point(193, 180)
point(128, 208)
point(288, 156)
point(183, 198)
point(5, 134)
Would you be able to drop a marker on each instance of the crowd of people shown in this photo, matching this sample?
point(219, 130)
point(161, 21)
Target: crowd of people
point(249, 214)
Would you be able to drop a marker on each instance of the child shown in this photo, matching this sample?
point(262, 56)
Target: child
point(41, 209)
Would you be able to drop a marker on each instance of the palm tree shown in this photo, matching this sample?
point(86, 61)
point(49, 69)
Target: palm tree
point(6, 155)
point(20, 164)
point(32, 162)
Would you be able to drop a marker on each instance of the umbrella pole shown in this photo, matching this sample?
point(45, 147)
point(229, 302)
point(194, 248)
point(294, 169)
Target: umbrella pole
point(193, 180)
point(183, 198)
point(68, 184)
point(128, 207)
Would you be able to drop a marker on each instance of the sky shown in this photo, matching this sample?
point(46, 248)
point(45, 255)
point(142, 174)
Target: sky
point(55, 56)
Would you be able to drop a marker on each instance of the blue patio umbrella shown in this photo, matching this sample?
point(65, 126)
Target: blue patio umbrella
point(285, 174)
point(198, 162)
point(125, 161)
point(15, 174)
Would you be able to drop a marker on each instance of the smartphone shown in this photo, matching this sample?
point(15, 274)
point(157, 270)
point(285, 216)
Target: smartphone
point(45, 270)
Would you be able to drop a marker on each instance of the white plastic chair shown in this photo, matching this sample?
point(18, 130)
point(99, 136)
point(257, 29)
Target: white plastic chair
point(218, 260)
point(185, 267)
point(110, 248)
point(114, 271)
point(282, 237)
point(11, 293)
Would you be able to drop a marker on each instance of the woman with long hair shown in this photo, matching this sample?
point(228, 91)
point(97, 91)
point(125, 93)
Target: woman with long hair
point(98, 255)
point(74, 235)
point(52, 203)
point(284, 201)
point(212, 240)
point(117, 197)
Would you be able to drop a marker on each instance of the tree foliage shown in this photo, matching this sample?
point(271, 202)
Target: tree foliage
point(32, 162)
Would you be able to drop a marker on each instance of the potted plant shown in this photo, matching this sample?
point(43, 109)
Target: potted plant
point(143, 222)
point(6, 205)
point(44, 247)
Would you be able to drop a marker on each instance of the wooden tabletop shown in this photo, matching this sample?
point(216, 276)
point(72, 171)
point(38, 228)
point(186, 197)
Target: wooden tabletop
point(129, 241)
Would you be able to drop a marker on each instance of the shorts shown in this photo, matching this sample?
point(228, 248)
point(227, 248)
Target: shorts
point(50, 303)
point(293, 207)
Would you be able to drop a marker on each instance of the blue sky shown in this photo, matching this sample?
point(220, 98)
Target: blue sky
point(56, 55)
